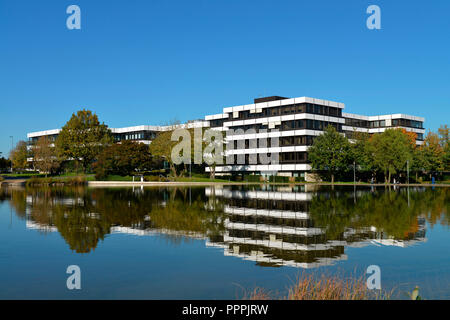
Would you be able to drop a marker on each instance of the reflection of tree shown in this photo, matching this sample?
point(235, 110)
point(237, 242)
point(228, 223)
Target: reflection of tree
point(182, 215)
point(17, 198)
point(79, 228)
point(84, 216)
point(388, 211)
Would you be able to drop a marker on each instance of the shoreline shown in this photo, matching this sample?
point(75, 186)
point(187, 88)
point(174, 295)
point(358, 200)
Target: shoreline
point(106, 184)
point(175, 183)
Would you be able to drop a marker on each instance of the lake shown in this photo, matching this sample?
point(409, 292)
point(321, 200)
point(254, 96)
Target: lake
point(219, 242)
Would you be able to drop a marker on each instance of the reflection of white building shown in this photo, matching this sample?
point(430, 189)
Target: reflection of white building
point(287, 237)
point(39, 226)
point(271, 227)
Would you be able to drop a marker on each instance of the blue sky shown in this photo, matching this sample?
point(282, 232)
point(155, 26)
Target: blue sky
point(148, 62)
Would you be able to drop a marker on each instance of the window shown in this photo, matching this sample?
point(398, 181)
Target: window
point(317, 109)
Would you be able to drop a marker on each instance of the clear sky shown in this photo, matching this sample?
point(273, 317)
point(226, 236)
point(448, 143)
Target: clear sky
point(150, 61)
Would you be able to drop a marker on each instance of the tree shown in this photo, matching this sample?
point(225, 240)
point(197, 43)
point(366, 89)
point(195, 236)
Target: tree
point(444, 138)
point(432, 153)
point(45, 159)
point(5, 164)
point(162, 146)
point(417, 162)
point(330, 151)
point(19, 156)
point(412, 137)
point(124, 159)
point(82, 138)
point(390, 150)
point(360, 152)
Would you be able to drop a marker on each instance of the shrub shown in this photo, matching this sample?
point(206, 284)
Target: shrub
point(76, 181)
point(34, 181)
point(279, 179)
point(253, 178)
point(151, 178)
point(71, 181)
point(156, 179)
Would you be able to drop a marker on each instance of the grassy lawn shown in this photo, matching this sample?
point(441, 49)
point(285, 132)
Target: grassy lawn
point(21, 175)
point(121, 178)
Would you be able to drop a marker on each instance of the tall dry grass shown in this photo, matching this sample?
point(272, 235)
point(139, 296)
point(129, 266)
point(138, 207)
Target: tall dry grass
point(324, 287)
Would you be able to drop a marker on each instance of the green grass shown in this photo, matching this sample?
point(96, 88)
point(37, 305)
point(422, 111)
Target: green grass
point(121, 178)
point(21, 175)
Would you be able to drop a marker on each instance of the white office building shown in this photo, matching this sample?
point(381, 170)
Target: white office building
point(272, 125)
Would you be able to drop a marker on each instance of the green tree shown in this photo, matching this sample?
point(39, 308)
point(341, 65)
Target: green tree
point(417, 162)
point(19, 156)
point(162, 146)
point(45, 159)
point(330, 152)
point(360, 151)
point(5, 164)
point(82, 138)
point(390, 150)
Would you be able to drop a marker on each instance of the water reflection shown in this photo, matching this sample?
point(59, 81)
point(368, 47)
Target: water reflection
point(301, 226)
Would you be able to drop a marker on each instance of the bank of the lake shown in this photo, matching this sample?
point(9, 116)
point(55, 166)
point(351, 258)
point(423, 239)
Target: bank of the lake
point(79, 181)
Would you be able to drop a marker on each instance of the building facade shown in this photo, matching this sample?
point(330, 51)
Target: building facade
point(294, 122)
point(273, 125)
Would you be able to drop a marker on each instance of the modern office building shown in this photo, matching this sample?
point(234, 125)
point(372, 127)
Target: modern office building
point(142, 134)
point(294, 122)
point(274, 125)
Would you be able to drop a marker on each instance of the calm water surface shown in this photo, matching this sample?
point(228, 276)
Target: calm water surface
point(218, 242)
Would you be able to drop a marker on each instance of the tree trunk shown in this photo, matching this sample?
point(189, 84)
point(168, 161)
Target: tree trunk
point(417, 176)
point(332, 178)
point(173, 169)
point(389, 181)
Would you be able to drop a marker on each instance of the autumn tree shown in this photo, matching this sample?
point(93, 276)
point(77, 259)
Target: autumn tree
point(19, 156)
point(412, 137)
point(45, 159)
point(432, 153)
point(82, 138)
point(444, 139)
point(330, 152)
point(390, 151)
